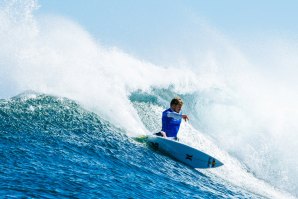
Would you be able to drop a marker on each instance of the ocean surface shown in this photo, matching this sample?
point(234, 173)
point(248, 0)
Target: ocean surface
point(71, 107)
point(51, 147)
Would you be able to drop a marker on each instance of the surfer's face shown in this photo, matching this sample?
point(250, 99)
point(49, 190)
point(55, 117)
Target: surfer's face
point(177, 108)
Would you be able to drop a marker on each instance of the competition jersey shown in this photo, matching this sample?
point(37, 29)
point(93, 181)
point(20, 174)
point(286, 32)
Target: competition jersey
point(171, 122)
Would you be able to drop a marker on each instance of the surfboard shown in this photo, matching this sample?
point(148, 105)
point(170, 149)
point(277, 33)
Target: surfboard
point(183, 153)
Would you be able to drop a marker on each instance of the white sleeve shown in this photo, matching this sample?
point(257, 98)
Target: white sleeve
point(174, 115)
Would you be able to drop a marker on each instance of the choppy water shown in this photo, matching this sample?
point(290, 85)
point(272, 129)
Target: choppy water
point(53, 148)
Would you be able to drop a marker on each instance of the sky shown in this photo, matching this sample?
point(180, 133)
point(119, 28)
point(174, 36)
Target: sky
point(141, 27)
point(229, 15)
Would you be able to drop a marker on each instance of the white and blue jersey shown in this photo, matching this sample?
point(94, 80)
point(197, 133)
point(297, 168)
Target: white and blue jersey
point(171, 122)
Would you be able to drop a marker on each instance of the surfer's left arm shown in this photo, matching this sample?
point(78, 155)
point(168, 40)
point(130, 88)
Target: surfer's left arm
point(178, 116)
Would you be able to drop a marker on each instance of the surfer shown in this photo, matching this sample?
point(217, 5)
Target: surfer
point(171, 119)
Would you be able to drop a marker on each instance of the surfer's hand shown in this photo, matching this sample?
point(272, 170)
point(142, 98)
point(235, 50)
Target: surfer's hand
point(185, 117)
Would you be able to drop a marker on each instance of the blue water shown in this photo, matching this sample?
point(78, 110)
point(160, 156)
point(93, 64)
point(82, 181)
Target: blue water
point(68, 131)
point(52, 148)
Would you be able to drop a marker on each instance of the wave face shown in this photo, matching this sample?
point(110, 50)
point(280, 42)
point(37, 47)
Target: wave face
point(51, 147)
point(79, 144)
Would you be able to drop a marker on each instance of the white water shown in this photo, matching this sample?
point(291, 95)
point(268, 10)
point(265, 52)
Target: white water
point(247, 104)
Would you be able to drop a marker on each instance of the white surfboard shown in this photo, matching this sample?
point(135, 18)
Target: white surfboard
point(185, 154)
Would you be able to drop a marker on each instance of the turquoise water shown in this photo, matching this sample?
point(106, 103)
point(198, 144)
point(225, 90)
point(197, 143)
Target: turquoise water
point(52, 148)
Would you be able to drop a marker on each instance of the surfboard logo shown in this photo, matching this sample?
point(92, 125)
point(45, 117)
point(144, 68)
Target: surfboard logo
point(154, 145)
point(211, 162)
point(188, 157)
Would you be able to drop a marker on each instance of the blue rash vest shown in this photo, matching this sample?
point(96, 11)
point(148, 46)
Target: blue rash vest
point(171, 122)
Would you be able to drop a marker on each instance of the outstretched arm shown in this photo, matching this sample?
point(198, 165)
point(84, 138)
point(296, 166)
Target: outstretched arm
point(177, 116)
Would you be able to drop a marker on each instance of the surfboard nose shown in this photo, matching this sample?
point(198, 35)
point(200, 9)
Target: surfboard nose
point(218, 163)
